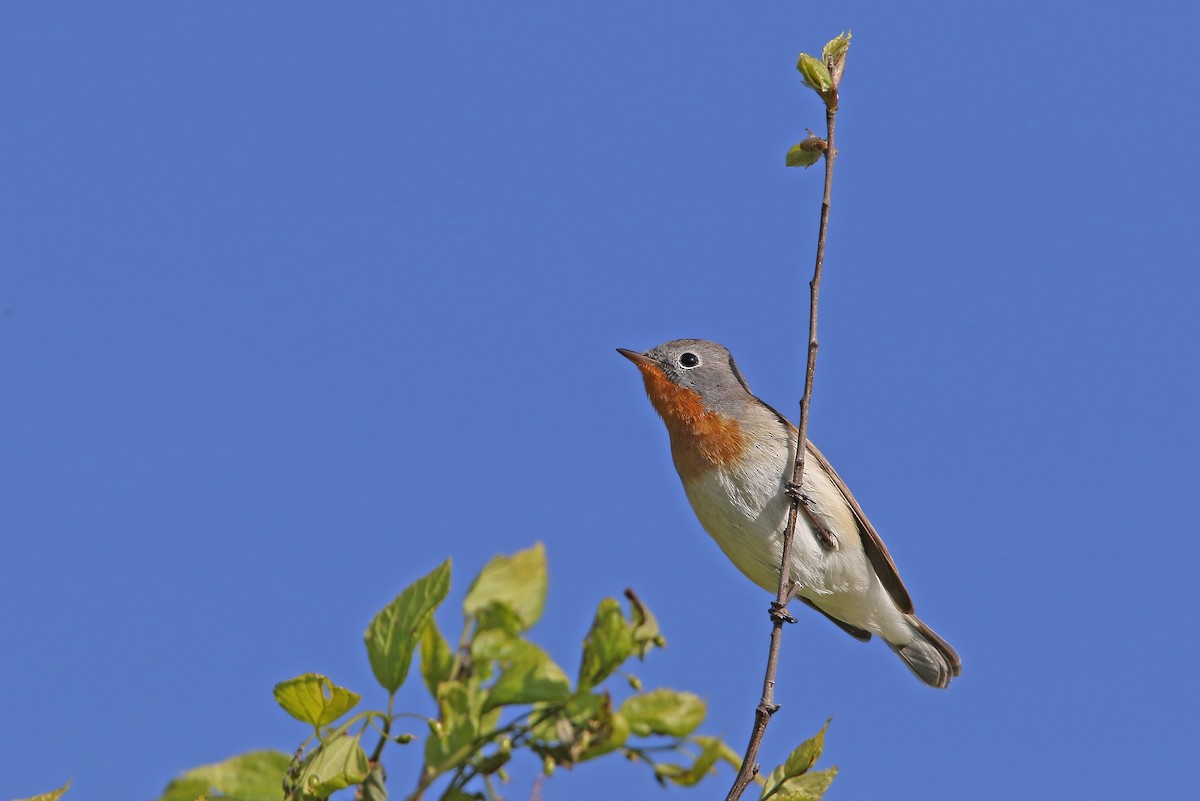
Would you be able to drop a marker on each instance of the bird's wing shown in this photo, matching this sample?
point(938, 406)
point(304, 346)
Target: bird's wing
point(876, 552)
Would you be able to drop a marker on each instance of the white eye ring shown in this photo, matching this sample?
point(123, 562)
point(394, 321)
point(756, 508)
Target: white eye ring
point(689, 360)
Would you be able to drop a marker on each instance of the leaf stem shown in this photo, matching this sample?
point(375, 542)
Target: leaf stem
point(386, 730)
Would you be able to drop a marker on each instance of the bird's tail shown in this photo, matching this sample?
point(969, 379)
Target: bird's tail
point(928, 655)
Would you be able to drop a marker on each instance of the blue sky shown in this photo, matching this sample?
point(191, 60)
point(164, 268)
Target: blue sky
point(297, 300)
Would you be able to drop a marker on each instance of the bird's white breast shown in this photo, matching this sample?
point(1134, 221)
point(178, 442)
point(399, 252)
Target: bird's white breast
point(744, 507)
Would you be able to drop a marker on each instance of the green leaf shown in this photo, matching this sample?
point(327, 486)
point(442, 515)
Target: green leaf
point(452, 738)
point(517, 582)
point(374, 788)
point(584, 708)
point(836, 47)
point(182, 789)
point(834, 55)
point(252, 776)
point(312, 698)
point(529, 677)
point(729, 756)
point(448, 749)
point(809, 787)
point(489, 719)
point(499, 617)
point(455, 794)
point(487, 646)
point(711, 750)
point(774, 781)
point(436, 657)
point(645, 627)
point(815, 73)
point(497, 627)
point(455, 702)
point(395, 631)
point(804, 154)
point(492, 762)
point(664, 711)
point(610, 735)
point(577, 712)
point(607, 646)
point(53, 795)
point(667, 771)
point(802, 758)
point(582, 728)
point(805, 755)
point(338, 762)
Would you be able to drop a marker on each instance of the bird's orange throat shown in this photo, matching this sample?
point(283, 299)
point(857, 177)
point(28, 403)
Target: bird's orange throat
point(700, 439)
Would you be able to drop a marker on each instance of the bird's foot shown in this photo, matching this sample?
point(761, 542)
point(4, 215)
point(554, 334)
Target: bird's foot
point(822, 532)
point(796, 492)
point(779, 613)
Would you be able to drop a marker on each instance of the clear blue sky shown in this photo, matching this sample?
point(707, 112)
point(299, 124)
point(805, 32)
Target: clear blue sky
point(299, 299)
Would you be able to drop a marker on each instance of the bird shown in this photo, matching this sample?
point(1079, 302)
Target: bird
point(734, 456)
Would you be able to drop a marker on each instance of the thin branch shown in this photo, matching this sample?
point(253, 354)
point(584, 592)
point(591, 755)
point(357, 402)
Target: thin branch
point(377, 754)
point(520, 727)
point(461, 661)
point(779, 614)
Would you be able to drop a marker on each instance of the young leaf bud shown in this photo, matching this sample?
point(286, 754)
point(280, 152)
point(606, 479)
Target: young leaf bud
point(815, 74)
point(834, 54)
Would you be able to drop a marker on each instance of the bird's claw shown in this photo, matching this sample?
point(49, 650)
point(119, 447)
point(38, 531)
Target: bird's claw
point(779, 613)
point(796, 492)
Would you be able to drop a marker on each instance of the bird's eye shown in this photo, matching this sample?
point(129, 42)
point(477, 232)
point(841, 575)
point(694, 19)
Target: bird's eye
point(688, 360)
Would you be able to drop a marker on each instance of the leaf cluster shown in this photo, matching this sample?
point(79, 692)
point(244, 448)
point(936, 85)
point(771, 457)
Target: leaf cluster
point(823, 75)
point(497, 693)
point(795, 780)
point(494, 695)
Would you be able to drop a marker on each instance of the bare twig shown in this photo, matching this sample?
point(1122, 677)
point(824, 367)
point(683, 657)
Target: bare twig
point(385, 731)
point(779, 614)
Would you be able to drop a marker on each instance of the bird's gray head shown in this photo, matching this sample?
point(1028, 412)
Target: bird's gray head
point(703, 367)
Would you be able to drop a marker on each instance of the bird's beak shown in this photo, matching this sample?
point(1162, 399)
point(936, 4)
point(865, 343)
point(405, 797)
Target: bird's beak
point(637, 358)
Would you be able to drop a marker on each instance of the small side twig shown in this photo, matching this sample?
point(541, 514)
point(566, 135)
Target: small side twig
point(834, 63)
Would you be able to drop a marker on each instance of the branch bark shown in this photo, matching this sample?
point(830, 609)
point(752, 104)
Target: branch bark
point(779, 614)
